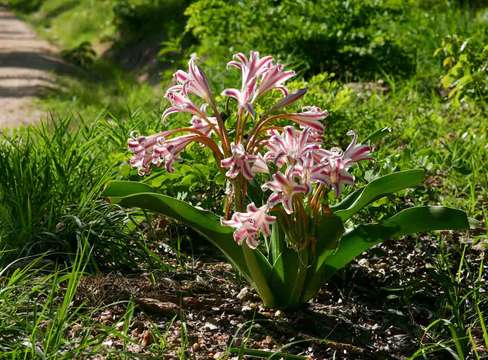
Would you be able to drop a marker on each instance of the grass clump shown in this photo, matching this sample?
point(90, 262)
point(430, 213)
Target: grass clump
point(49, 196)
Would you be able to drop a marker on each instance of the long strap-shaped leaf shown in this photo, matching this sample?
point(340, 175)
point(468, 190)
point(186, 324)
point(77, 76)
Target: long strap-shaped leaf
point(377, 188)
point(408, 221)
point(208, 224)
point(117, 189)
point(363, 237)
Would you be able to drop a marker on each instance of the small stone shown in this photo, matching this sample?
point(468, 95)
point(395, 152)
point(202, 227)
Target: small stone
point(246, 308)
point(108, 343)
point(138, 324)
point(106, 316)
point(157, 306)
point(146, 338)
point(210, 326)
point(167, 282)
point(244, 293)
point(75, 330)
point(363, 262)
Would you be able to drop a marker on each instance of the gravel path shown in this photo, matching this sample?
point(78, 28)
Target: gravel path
point(27, 67)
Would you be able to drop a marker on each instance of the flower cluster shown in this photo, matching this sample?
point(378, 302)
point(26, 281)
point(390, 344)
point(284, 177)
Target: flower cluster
point(293, 158)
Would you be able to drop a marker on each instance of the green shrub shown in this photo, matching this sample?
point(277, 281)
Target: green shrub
point(140, 19)
point(466, 66)
point(82, 55)
point(344, 37)
point(25, 6)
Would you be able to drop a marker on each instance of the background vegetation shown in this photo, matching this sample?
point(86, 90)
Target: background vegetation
point(418, 68)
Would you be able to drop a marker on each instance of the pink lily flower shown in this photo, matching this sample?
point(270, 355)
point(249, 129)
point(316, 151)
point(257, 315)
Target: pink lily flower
point(244, 97)
point(251, 68)
point(207, 125)
point(181, 103)
point(310, 116)
point(167, 151)
point(250, 224)
point(143, 152)
point(356, 152)
point(192, 82)
point(243, 163)
point(335, 174)
point(307, 170)
point(274, 78)
point(284, 187)
point(290, 147)
point(204, 125)
point(334, 164)
point(288, 100)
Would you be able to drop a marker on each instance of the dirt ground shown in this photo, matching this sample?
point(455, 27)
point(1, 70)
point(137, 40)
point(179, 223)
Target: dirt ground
point(27, 68)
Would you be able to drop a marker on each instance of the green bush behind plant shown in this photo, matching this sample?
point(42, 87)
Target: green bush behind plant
point(345, 37)
point(140, 19)
point(466, 66)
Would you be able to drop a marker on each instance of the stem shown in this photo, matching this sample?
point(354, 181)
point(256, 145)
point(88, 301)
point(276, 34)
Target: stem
point(257, 129)
point(223, 130)
point(256, 274)
point(256, 141)
point(239, 192)
point(201, 138)
point(315, 200)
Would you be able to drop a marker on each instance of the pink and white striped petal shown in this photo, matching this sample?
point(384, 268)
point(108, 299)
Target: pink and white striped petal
point(284, 188)
point(356, 152)
point(241, 162)
point(250, 224)
point(311, 116)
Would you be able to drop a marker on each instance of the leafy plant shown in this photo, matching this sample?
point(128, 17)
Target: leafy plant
point(26, 6)
point(344, 37)
point(307, 241)
point(136, 19)
point(466, 68)
point(82, 55)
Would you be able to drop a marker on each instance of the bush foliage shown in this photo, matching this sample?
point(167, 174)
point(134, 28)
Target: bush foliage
point(140, 19)
point(344, 37)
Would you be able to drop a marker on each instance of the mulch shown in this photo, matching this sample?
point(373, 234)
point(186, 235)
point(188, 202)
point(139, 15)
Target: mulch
point(378, 308)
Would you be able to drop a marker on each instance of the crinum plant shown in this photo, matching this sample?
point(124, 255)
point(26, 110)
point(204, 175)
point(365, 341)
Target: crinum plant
point(277, 228)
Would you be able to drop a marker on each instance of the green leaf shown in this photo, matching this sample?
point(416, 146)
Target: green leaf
point(376, 189)
point(261, 274)
point(285, 266)
point(329, 230)
point(118, 189)
point(205, 222)
point(408, 221)
point(427, 218)
point(378, 134)
point(277, 243)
